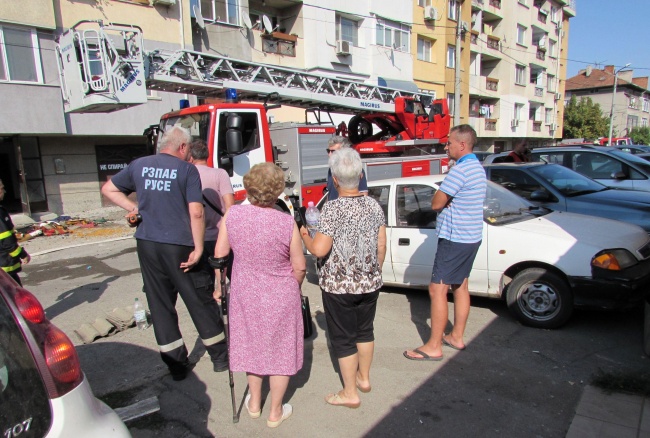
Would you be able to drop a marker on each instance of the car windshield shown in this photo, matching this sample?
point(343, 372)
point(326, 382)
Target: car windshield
point(638, 162)
point(566, 181)
point(501, 206)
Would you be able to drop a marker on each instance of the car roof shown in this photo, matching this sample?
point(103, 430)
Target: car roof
point(428, 179)
point(518, 165)
point(575, 148)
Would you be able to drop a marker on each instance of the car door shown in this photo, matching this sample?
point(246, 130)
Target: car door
point(413, 239)
point(601, 167)
point(381, 194)
point(523, 184)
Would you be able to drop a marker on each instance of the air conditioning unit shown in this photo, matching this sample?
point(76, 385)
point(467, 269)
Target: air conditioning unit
point(514, 123)
point(558, 96)
point(342, 47)
point(430, 13)
point(164, 2)
point(552, 127)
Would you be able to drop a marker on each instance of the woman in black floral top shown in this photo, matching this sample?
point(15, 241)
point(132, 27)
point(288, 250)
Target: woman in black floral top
point(352, 238)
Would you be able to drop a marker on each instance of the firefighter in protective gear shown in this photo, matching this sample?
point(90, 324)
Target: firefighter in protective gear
point(12, 255)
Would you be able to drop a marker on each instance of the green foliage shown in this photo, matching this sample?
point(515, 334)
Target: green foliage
point(640, 135)
point(584, 119)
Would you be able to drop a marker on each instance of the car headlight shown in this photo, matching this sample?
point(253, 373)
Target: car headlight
point(614, 259)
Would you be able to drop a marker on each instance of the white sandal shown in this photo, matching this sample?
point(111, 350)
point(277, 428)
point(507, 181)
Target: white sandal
point(251, 414)
point(287, 410)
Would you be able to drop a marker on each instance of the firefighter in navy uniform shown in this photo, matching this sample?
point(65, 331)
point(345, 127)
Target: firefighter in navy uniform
point(170, 247)
point(12, 255)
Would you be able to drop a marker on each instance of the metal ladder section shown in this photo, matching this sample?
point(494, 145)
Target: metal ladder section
point(207, 75)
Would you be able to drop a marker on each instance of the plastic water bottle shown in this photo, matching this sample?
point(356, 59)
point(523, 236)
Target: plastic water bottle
point(311, 215)
point(140, 315)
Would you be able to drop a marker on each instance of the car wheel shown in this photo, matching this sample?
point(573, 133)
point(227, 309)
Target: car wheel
point(540, 298)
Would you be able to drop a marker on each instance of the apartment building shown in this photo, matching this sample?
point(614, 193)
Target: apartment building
point(517, 70)
point(631, 104)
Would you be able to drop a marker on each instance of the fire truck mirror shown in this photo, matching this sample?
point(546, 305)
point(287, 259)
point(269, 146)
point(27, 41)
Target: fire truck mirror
point(234, 143)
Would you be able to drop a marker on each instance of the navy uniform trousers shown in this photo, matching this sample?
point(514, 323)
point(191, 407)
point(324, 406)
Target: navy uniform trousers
point(163, 281)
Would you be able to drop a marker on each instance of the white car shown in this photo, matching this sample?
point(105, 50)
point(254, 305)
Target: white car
point(43, 391)
point(543, 263)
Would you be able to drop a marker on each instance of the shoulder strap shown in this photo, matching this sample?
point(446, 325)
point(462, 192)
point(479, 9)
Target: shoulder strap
point(214, 207)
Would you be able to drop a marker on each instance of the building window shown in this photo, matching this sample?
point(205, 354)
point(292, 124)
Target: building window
point(550, 83)
point(554, 14)
point(520, 75)
point(552, 48)
point(632, 122)
point(644, 123)
point(646, 105)
point(393, 34)
point(451, 56)
point(521, 35)
point(631, 102)
point(347, 30)
point(424, 49)
point(451, 103)
point(222, 11)
point(519, 108)
point(452, 10)
point(19, 55)
point(424, 3)
point(548, 116)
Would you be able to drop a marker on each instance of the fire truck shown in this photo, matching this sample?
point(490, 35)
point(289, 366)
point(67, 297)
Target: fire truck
point(104, 68)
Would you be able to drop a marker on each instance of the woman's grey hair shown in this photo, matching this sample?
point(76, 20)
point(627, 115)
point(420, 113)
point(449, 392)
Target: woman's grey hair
point(174, 138)
point(346, 166)
point(337, 139)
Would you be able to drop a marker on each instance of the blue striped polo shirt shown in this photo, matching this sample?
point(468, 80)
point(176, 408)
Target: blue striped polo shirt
point(462, 220)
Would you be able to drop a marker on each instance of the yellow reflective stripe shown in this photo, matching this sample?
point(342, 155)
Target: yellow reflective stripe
point(15, 252)
point(6, 234)
point(213, 340)
point(171, 346)
point(11, 268)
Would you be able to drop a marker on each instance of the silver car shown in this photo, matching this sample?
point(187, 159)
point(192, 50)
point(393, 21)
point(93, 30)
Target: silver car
point(43, 391)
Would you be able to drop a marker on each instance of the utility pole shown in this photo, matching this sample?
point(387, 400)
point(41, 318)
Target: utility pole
point(457, 72)
point(611, 113)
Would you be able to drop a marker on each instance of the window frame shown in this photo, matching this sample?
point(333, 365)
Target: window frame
point(519, 108)
point(424, 3)
point(520, 75)
point(339, 30)
point(521, 35)
point(551, 83)
point(228, 5)
point(5, 73)
point(426, 51)
point(548, 116)
point(451, 60)
point(452, 10)
point(395, 28)
point(451, 103)
point(552, 48)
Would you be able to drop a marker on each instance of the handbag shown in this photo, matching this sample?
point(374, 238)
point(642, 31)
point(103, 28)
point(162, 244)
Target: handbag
point(306, 316)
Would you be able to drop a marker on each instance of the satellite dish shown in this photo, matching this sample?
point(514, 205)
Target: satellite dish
point(247, 21)
point(198, 17)
point(268, 26)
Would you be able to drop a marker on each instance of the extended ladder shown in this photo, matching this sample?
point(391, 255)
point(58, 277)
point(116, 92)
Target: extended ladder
point(200, 74)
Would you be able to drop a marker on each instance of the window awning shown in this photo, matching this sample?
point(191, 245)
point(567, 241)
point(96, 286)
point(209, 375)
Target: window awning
point(398, 84)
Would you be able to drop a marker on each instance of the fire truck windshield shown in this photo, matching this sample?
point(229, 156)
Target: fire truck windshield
point(198, 124)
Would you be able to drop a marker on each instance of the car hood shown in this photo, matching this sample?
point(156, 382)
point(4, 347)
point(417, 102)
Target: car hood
point(594, 231)
point(626, 205)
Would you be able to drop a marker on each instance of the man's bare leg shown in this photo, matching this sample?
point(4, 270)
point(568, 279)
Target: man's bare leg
point(439, 316)
point(461, 314)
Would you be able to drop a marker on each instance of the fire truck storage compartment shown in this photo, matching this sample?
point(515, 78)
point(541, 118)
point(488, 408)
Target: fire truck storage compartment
point(383, 168)
point(301, 153)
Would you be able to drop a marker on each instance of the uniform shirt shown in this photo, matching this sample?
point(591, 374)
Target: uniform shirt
point(353, 224)
point(165, 185)
point(462, 220)
point(215, 183)
point(10, 251)
point(332, 193)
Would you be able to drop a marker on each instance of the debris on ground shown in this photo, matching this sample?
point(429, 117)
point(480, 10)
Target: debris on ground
point(63, 225)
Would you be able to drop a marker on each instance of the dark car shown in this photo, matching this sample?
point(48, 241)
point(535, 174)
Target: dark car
point(634, 149)
point(558, 188)
point(43, 391)
point(607, 165)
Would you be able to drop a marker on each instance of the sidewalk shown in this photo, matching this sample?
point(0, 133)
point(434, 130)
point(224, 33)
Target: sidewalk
point(601, 415)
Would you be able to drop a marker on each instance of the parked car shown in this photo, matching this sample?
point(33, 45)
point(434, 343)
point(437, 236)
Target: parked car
point(43, 391)
point(635, 149)
point(607, 165)
point(558, 188)
point(482, 155)
point(543, 263)
point(501, 157)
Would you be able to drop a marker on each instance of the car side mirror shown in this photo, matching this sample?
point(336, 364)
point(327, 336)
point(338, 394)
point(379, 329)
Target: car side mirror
point(540, 196)
point(618, 175)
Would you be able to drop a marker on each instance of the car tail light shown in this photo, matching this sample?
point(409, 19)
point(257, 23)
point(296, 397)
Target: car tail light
point(61, 356)
point(29, 306)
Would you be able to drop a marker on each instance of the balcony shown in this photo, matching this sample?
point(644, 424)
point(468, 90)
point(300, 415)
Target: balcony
point(279, 43)
point(541, 54)
point(493, 42)
point(491, 84)
point(570, 9)
point(537, 126)
point(541, 17)
point(495, 3)
point(473, 37)
point(539, 92)
point(490, 124)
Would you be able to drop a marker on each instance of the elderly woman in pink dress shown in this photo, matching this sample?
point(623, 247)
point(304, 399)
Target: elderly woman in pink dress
point(266, 329)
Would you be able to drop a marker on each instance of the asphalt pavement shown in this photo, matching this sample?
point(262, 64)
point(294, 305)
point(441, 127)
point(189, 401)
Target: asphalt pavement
point(510, 381)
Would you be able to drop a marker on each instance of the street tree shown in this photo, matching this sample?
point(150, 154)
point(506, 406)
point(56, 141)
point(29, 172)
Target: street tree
point(584, 119)
point(640, 135)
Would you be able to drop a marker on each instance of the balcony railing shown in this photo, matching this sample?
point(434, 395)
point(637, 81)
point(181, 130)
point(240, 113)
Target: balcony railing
point(491, 84)
point(541, 54)
point(493, 42)
point(537, 126)
point(496, 3)
point(490, 124)
point(473, 38)
point(539, 91)
point(541, 17)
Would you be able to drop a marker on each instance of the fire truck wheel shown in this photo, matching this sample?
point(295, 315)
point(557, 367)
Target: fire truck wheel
point(359, 129)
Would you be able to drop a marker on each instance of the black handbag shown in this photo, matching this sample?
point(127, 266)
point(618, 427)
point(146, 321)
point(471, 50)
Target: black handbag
point(306, 316)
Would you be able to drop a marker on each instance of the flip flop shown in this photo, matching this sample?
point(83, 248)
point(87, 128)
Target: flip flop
point(252, 414)
point(450, 345)
point(336, 400)
point(424, 356)
point(287, 410)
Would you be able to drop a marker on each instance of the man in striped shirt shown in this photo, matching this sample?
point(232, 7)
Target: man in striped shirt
point(460, 230)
